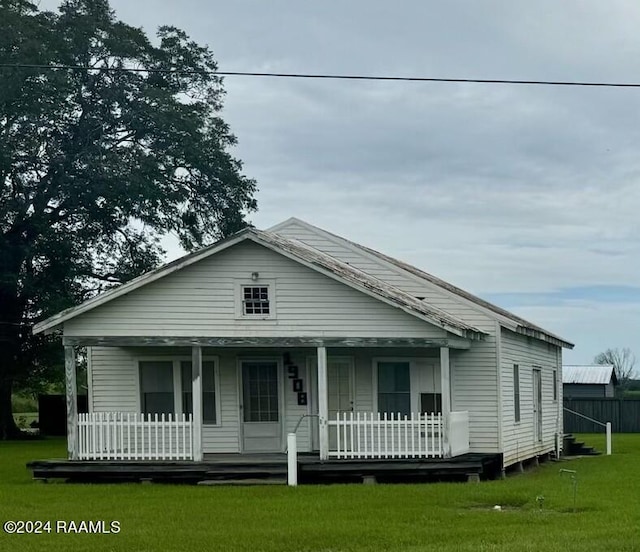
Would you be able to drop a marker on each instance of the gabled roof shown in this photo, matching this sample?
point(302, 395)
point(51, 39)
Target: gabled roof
point(594, 374)
point(503, 316)
point(299, 252)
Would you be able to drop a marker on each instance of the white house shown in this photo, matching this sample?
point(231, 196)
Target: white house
point(229, 349)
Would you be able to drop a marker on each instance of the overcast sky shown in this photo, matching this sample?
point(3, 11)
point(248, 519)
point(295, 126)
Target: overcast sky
point(526, 196)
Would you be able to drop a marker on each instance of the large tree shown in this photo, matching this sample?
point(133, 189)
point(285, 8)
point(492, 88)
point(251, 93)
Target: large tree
point(97, 165)
point(624, 364)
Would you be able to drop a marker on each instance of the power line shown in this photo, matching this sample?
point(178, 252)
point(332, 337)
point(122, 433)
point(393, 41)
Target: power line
point(323, 76)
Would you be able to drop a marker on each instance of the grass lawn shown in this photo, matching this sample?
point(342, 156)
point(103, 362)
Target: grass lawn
point(443, 516)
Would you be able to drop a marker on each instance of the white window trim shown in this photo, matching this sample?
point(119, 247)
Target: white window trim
point(238, 296)
point(177, 381)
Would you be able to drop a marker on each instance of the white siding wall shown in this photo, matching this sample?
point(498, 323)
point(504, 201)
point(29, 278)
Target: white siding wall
point(292, 410)
point(474, 373)
point(200, 300)
point(224, 437)
point(520, 442)
point(114, 381)
point(474, 384)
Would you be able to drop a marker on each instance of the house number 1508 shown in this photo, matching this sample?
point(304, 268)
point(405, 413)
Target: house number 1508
point(296, 381)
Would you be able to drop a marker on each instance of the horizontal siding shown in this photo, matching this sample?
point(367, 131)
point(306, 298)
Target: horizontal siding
point(224, 437)
point(474, 388)
point(294, 412)
point(200, 300)
point(114, 383)
point(519, 440)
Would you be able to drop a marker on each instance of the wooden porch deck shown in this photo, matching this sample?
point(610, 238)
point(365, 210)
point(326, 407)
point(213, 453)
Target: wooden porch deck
point(270, 469)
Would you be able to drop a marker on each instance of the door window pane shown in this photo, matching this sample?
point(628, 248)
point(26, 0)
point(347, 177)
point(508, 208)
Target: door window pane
point(394, 388)
point(260, 391)
point(156, 386)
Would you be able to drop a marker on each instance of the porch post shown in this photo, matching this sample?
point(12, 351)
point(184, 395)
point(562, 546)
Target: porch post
point(196, 388)
point(445, 387)
point(323, 404)
point(72, 401)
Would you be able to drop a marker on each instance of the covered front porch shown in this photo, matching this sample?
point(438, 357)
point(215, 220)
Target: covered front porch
point(397, 419)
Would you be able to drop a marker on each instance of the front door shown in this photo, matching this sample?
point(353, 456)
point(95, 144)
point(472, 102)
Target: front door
point(339, 391)
point(261, 412)
point(537, 404)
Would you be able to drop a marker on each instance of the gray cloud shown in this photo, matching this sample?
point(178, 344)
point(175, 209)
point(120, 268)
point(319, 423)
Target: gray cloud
point(499, 189)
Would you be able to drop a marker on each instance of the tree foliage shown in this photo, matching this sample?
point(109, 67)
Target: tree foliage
point(623, 362)
point(96, 165)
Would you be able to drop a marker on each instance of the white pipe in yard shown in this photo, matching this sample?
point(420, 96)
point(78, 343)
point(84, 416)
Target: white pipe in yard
point(292, 460)
point(608, 438)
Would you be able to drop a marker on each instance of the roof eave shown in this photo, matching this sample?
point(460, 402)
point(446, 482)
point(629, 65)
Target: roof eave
point(543, 336)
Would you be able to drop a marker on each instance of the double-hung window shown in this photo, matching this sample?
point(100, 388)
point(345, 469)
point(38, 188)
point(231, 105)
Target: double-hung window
point(166, 388)
point(255, 300)
point(394, 388)
point(156, 385)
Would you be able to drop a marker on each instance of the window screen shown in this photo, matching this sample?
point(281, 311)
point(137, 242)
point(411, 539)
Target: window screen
point(156, 386)
point(394, 388)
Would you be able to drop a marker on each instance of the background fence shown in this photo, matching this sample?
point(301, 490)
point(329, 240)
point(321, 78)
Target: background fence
point(624, 415)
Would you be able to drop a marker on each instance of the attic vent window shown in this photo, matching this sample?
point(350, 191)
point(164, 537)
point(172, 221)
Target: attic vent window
point(255, 300)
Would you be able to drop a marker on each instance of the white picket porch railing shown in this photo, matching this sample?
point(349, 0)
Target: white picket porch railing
point(133, 436)
point(375, 435)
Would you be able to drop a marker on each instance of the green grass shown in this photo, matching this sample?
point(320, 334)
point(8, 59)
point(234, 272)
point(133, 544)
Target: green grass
point(338, 517)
